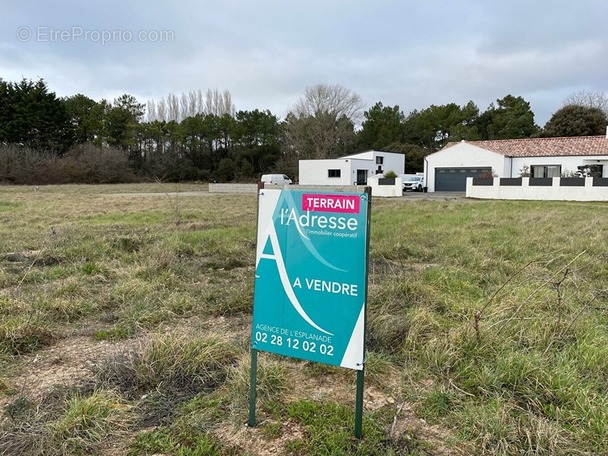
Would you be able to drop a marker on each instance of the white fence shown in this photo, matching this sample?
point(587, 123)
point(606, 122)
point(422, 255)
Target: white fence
point(526, 188)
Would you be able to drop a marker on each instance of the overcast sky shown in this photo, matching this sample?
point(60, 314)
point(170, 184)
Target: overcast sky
point(266, 52)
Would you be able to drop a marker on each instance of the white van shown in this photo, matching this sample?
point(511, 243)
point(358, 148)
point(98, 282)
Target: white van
point(275, 179)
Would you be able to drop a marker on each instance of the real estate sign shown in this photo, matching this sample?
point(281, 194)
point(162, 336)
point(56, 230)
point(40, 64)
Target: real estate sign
point(311, 275)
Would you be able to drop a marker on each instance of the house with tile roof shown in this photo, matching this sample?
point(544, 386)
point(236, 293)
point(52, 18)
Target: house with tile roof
point(449, 168)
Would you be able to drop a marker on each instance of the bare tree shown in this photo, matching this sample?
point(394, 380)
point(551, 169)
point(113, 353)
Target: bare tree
point(334, 99)
point(321, 124)
point(193, 106)
point(151, 111)
point(219, 103)
point(161, 110)
point(211, 100)
point(173, 111)
point(190, 104)
point(228, 105)
point(184, 108)
point(199, 100)
point(588, 99)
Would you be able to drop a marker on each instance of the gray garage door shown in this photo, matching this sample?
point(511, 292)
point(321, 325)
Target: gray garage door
point(455, 179)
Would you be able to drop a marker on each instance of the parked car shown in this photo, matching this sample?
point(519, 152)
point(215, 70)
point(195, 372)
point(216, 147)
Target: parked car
point(275, 179)
point(412, 182)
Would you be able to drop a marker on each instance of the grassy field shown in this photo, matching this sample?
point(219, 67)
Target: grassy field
point(125, 323)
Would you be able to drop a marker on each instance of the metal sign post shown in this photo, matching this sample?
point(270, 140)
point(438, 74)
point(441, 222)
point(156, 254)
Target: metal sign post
point(311, 280)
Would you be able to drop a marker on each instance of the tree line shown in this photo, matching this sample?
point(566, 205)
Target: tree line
point(46, 139)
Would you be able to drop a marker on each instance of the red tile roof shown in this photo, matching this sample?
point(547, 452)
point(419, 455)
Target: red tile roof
point(545, 147)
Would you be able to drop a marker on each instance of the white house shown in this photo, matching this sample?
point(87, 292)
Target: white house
point(350, 170)
point(448, 169)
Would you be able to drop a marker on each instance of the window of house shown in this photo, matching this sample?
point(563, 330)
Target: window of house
point(591, 170)
point(546, 170)
point(334, 172)
point(379, 160)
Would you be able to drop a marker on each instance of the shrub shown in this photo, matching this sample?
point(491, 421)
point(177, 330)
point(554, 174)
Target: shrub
point(390, 174)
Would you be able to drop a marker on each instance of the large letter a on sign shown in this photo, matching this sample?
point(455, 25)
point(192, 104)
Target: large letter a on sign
point(272, 241)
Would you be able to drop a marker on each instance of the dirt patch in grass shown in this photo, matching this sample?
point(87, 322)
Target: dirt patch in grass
point(255, 441)
point(67, 363)
point(407, 423)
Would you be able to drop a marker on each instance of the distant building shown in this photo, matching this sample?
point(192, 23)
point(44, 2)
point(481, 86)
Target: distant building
point(350, 170)
point(448, 169)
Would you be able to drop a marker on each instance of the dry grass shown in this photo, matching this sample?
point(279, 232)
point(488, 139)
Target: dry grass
point(125, 318)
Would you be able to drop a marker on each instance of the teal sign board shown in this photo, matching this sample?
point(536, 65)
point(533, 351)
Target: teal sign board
point(311, 275)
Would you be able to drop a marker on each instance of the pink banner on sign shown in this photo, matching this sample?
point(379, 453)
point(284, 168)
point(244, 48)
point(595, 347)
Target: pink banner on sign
point(330, 203)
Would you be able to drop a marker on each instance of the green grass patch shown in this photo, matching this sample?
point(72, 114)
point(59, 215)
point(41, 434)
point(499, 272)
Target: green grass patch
point(22, 334)
point(328, 429)
point(8, 207)
point(87, 421)
point(192, 443)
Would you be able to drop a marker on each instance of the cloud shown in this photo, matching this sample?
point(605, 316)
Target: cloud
point(406, 53)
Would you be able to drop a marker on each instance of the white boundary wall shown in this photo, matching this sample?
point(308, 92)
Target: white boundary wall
point(555, 192)
point(385, 191)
